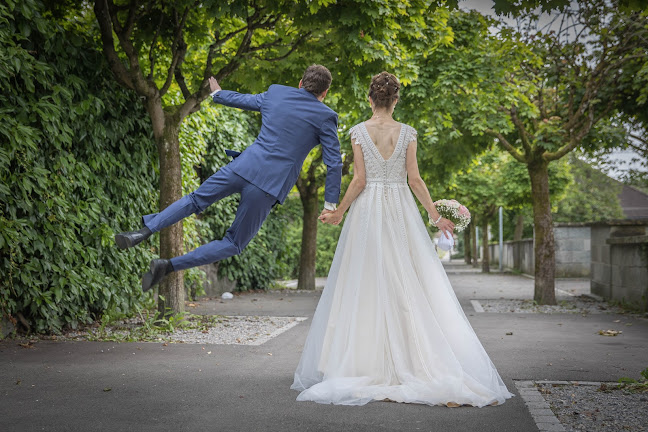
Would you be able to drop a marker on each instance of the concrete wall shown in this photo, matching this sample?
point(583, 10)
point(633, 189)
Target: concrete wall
point(573, 250)
point(573, 246)
point(620, 262)
point(517, 255)
point(214, 285)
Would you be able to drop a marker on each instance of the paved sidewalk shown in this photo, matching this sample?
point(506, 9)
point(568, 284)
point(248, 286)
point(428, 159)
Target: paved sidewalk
point(60, 386)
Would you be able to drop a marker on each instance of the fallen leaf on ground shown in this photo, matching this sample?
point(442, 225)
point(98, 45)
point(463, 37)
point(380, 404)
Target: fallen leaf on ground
point(208, 352)
point(191, 305)
point(107, 389)
point(609, 332)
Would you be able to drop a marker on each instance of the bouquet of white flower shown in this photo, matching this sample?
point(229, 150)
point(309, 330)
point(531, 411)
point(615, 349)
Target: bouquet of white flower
point(457, 213)
point(452, 210)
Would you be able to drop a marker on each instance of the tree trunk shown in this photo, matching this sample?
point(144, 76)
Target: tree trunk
point(519, 227)
point(486, 252)
point(308, 254)
point(473, 236)
point(166, 129)
point(545, 265)
point(467, 247)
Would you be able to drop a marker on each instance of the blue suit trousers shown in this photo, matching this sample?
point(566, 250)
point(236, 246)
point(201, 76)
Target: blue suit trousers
point(254, 207)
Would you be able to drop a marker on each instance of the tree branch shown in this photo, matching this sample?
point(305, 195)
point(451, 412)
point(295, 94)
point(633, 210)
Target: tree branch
point(512, 150)
point(180, 79)
point(143, 87)
point(105, 28)
point(640, 139)
point(178, 51)
point(522, 131)
point(212, 50)
point(191, 104)
point(574, 140)
point(292, 49)
point(151, 56)
point(130, 21)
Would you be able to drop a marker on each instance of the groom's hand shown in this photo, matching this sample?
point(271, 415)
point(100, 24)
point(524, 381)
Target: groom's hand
point(213, 85)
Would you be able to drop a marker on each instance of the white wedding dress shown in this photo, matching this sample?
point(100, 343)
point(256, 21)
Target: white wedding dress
point(388, 324)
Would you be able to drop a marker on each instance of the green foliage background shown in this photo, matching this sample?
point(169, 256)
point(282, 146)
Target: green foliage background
point(78, 161)
point(76, 165)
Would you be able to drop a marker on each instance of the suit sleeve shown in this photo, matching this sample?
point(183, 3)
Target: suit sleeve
point(250, 102)
point(332, 158)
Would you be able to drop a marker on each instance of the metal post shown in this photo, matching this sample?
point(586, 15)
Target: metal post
point(501, 238)
point(477, 242)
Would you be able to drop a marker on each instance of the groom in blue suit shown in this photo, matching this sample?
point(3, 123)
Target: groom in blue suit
point(294, 120)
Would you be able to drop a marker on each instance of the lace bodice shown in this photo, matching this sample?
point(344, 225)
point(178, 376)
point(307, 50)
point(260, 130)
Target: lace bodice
point(379, 169)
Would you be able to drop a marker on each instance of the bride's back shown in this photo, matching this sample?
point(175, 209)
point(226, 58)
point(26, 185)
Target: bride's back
point(384, 135)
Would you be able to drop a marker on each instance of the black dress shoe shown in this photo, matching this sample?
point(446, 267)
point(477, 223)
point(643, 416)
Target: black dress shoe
point(131, 238)
point(159, 268)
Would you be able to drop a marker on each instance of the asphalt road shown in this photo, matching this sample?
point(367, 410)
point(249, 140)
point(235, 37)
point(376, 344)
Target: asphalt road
point(101, 386)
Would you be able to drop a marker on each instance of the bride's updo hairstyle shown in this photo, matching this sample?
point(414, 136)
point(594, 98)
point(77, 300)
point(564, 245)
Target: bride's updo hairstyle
point(384, 89)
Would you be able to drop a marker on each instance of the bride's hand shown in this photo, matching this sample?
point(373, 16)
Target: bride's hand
point(446, 227)
point(332, 217)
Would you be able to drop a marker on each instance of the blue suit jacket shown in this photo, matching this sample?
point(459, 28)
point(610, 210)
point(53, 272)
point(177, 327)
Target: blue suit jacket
point(293, 122)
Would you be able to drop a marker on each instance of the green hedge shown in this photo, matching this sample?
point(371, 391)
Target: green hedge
point(77, 164)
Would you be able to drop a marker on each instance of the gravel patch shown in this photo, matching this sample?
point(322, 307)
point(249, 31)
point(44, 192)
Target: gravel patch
point(596, 407)
point(575, 305)
point(239, 330)
point(228, 330)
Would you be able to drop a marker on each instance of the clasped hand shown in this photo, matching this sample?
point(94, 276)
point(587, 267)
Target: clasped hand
point(333, 217)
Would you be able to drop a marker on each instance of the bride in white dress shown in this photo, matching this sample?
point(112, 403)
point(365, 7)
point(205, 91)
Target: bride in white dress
point(388, 325)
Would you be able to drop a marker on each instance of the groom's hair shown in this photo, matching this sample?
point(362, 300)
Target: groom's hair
point(316, 79)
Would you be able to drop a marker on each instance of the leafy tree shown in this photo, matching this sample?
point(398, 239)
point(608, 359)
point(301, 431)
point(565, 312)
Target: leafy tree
point(478, 187)
point(160, 46)
point(543, 95)
point(494, 179)
point(629, 128)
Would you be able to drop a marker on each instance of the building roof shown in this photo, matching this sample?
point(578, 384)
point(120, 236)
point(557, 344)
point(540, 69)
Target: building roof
point(633, 202)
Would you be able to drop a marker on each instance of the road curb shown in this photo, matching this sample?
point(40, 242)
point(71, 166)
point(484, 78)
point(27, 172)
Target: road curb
point(538, 407)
